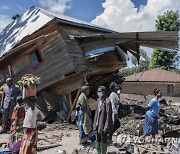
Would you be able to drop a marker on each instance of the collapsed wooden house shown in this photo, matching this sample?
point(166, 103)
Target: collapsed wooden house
point(67, 53)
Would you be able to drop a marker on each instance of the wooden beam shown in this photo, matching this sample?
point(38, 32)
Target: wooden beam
point(70, 100)
point(137, 48)
point(161, 39)
point(130, 35)
point(159, 44)
point(102, 43)
point(159, 35)
point(131, 47)
point(68, 84)
point(73, 105)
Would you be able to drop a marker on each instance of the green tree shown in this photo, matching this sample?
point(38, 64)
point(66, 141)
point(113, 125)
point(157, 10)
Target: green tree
point(169, 21)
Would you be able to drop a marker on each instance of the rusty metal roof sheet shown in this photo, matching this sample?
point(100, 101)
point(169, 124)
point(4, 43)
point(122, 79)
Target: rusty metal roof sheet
point(154, 75)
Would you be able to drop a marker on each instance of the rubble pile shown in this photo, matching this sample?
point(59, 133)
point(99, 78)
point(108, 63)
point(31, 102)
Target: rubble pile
point(132, 114)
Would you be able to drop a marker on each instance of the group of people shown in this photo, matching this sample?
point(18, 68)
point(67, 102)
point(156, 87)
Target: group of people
point(19, 118)
point(106, 120)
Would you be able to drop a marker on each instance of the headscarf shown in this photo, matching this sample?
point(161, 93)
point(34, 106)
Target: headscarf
point(112, 86)
point(84, 88)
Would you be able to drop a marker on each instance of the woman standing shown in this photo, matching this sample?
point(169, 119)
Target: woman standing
point(151, 121)
point(84, 117)
point(102, 120)
point(29, 142)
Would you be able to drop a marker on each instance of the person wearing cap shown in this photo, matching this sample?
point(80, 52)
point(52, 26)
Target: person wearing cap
point(115, 102)
point(8, 102)
point(83, 115)
point(103, 120)
point(29, 141)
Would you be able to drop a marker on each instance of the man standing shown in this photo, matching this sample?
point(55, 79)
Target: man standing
point(8, 102)
point(103, 120)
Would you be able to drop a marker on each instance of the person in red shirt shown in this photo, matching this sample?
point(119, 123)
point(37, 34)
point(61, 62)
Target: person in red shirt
point(16, 128)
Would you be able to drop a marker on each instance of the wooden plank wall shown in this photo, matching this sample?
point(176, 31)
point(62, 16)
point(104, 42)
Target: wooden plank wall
point(69, 84)
point(67, 30)
point(106, 60)
point(77, 55)
point(56, 63)
point(76, 52)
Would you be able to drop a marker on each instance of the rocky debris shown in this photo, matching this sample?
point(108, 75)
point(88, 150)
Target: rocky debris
point(83, 151)
point(173, 148)
point(132, 113)
point(41, 125)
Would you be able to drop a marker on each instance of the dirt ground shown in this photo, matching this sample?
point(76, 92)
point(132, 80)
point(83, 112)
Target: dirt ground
point(67, 138)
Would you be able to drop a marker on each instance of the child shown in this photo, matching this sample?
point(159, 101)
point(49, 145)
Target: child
point(29, 143)
point(16, 128)
point(18, 116)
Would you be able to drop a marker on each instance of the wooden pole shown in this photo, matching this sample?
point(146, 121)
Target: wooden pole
point(73, 105)
point(70, 100)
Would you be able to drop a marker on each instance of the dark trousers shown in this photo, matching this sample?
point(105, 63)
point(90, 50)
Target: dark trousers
point(7, 113)
point(101, 138)
point(101, 143)
point(115, 126)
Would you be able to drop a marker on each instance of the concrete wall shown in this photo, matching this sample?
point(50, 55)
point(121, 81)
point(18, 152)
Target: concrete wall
point(147, 88)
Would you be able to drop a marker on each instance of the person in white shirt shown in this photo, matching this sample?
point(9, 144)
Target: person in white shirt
point(29, 142)
point(115, 102)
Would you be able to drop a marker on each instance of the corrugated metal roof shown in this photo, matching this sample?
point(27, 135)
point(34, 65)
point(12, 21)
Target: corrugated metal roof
point(154, 75)
point(31, 21)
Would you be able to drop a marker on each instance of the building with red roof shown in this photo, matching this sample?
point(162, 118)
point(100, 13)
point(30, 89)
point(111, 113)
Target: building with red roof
point(145, 82)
